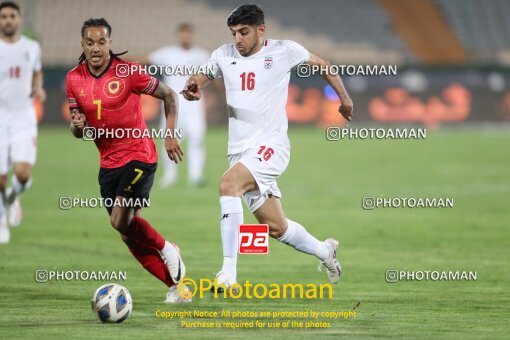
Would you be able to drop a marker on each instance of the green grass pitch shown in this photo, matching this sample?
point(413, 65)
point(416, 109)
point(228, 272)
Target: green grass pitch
point(322, 189)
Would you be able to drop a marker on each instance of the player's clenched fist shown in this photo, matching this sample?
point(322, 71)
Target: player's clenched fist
point(346, 108)
point(192, 90)
point(174, 150)
point(79, 120)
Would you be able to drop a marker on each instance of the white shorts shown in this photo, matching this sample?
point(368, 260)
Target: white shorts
point(265, 163)
point(17, 145)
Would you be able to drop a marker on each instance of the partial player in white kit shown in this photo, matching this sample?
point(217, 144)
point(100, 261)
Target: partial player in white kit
point(256, 73)
point(192, 118)
point(20, 82)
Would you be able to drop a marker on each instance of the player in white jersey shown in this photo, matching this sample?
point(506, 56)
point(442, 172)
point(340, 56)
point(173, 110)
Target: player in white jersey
point(192, 119)
point(256, 73)
point(20, 82)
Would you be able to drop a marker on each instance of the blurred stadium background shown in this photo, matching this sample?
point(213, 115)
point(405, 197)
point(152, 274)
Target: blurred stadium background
point(452, 55)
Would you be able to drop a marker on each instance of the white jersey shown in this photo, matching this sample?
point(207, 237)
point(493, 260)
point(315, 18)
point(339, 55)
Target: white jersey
point(176, 56)
point(18, 62)
point(257, 88)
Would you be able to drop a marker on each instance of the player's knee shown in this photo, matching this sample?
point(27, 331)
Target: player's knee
point(229, 187)
point(23, 177)
point(118, 222)
point(114, 222)
point(23, 172)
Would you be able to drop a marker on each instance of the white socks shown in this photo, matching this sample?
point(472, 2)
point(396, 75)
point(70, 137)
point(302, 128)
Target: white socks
point(231, 218)
point(298, 238)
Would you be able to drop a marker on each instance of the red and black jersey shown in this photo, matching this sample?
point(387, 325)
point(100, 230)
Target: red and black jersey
point(111, 102)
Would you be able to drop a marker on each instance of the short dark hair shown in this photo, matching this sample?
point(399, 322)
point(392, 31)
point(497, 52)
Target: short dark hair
point(249, 14)
point(101, 22)
point(184, 26)
point(9, 4)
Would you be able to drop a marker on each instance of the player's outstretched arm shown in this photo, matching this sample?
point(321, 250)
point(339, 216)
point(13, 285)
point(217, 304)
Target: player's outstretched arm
point(170, 100)
point(193, 88)
point(78, 122)
point(37, 86)
point(336, 83)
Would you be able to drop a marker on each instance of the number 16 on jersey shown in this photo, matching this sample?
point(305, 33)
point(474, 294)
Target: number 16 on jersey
point(247, 81)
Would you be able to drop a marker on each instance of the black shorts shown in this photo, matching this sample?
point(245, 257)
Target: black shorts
point(133, 180)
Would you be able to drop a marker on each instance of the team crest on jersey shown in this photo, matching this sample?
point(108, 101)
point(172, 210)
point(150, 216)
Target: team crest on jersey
point(268, 62)
point(114, 87)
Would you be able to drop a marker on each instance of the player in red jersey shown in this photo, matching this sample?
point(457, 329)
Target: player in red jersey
point(103, 95)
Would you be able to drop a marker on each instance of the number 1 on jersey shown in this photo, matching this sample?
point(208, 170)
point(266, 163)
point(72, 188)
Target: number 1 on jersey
point(98, 103)
point(247, 81)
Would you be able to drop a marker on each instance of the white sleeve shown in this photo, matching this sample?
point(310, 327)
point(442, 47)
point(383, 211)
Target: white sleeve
point(204, 57)
point(157, 57)
point(37, 59)
point(213, 65)
point(296, 53)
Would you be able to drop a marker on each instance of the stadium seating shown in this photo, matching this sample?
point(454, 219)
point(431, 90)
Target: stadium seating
point(359, 32)
point(481, 26)
point(356, 31)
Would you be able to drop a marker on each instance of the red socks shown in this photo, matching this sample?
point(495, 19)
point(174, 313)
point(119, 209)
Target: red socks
point(144, 242)
point(150, 259)
point(141, 231)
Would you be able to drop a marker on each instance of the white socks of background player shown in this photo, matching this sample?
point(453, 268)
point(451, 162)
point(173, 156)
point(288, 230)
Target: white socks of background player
point(298, 238)
point(196, 159)
point(2, 206)
point(19, 187)
point(231, 218)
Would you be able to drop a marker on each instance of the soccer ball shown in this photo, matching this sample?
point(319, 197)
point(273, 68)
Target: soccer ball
point(112, 303)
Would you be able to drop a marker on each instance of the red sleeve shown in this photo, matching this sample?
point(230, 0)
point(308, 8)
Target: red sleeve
point(141, 82)
point(71, 97)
